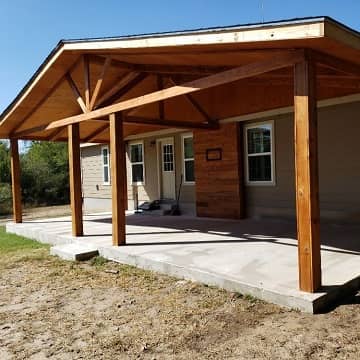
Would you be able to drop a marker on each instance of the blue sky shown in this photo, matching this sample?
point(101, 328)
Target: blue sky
point(30, 29)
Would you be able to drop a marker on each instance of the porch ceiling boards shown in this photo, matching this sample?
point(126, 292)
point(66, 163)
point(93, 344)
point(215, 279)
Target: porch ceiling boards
point(84, 76)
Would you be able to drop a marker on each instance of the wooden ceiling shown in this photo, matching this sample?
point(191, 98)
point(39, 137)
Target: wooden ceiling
point(84, 76)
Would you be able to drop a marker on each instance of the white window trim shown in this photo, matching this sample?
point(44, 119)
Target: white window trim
point(272, 182)
point(183, 137)
point(108, 165)
point(137, 163)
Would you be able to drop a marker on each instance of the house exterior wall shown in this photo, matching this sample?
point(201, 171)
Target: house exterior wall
point(339, 168)
point(97, 196)
point(219, 183)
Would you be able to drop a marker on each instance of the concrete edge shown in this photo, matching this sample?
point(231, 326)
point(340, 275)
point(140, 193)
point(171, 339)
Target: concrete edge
point(289, 301)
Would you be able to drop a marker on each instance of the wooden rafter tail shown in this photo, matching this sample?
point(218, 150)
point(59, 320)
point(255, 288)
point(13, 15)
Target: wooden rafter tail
point(76, 93)
point(87, 94)
point(289, 58)
point(99, 82)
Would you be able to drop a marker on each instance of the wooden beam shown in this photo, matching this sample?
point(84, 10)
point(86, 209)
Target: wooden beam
point(160, 84)
point(124, 90)
point(169, 123)
point(43, 99)
point(25, 132)
point(76, 93)
point(335, 63)
point(166, 69)
point(256, 68)
point(306, 174)
point(196, 105)
point(15, 181)
point(99, 82)
point(95, 133)
point(75, 180)
point(53, 136)
point(118, 179)
point(121, 83)
point(86, 80)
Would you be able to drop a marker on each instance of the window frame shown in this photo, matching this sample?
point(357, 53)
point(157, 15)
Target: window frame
point(183, 137)
point(138, 183)
point(106, 165)
point(249, 182)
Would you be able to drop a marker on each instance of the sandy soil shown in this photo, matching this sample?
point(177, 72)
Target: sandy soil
point(62, 310)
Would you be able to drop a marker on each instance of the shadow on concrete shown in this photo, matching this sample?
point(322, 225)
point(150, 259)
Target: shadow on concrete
point(340, 238)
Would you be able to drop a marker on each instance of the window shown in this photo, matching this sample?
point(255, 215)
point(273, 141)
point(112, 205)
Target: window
point(168, 157)
point(259, 154)
point(188, 157)
point(106, 164)
point(137, 162)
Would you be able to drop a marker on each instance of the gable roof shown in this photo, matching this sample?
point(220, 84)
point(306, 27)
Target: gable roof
point(321, 33)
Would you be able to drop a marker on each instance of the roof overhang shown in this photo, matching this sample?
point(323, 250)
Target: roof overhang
point(47, 97)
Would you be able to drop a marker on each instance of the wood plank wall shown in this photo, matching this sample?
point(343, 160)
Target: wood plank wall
point(219, 183)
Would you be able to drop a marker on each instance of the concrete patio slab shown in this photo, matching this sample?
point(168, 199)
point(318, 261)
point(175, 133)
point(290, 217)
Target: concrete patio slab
point(248, 256)
point(74, 251)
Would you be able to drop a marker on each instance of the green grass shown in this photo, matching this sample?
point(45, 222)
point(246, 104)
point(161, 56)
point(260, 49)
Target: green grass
point(98, 261)
point(10, 243)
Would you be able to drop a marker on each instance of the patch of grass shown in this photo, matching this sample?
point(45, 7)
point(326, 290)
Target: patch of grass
point(250, 298)
point(10, 243)
point(98, 261)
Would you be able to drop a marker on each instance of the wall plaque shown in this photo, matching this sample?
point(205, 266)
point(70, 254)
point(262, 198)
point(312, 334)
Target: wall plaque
point(213, 154)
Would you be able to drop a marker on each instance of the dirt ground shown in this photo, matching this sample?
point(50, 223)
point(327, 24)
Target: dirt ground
point(40, 212)
point(94, 310)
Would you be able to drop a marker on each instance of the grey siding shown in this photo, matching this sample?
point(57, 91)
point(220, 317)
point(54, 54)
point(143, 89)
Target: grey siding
point(92, 168)
point(339, 167)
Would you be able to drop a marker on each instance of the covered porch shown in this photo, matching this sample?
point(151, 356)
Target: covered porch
point(103, 90)
point(257, 258)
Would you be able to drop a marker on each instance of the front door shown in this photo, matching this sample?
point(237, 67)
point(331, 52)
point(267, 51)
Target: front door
point(167, 169)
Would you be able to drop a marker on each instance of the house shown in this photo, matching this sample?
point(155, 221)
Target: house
point(257, 120)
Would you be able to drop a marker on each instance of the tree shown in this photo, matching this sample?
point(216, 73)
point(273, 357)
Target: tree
point(4, 162)
point(45, 174)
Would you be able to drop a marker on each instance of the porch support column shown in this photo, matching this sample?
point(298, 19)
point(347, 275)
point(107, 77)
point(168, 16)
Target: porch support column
point(15, 180)
point(306, 174)
point(118, 178)
point(75, 180)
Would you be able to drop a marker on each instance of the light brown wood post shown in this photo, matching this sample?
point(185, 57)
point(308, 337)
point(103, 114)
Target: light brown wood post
point(15, 180)
point(75, 180)
point(306, 174)
point(118, 178)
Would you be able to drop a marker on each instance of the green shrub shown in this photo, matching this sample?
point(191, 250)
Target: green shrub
point(5, 199)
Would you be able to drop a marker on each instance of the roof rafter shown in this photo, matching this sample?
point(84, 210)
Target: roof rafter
point(76, 93)
point(126, 83)
point(99, 82)
point(288, 58)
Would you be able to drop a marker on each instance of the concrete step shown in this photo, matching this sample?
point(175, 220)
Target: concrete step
point(74, 251)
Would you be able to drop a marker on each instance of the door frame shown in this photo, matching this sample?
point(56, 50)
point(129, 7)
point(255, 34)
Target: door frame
point(160, 162)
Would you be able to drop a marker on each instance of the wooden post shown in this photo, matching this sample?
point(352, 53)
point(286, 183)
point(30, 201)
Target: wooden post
point(75, 180)
point(118, 178)
point(306, 174)
point(15, 180)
